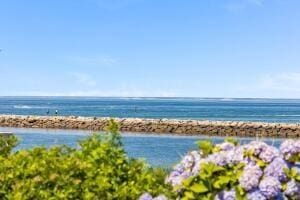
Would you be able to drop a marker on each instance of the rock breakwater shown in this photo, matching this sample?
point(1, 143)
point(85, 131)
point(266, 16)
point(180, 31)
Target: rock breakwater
point(172, 126)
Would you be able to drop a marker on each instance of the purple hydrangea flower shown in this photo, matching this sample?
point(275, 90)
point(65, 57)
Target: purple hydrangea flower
point(256, 146)
point(146, 196)
point(250, 177)
point(289, 147)
point(255, 195)
point(260, 183)
point(235, 156)
point(177, 178)
point(161, 197)
point(179, 168)
point(222, 158)
point(196, 155)
point(268, 154)
point(226, 195)
point(189, 165)
point(292, 189)
point(218, 158)
point(270, 187)
point(197, 162)
point(262, 150)
point(225, 146)
point(276, 169)
point(187, 161)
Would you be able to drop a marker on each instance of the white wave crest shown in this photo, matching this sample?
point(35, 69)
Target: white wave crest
point(29, 107)
point(22, 107)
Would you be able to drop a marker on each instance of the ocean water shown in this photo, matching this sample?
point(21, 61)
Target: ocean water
point(157, 150)
point(267, 110)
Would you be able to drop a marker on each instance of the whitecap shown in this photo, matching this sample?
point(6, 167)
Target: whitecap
point(30, 107)
point(22, 107)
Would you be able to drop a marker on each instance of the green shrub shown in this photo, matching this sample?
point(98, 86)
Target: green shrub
point(7, 143)
point(98, 169)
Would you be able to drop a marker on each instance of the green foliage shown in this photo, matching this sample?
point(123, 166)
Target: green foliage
point(98, 169)
point(295, 158)
point(7, 143)
point(292, 173)
point(211, 180)
point(232, 140)
point(112, 127)
point(205, 146)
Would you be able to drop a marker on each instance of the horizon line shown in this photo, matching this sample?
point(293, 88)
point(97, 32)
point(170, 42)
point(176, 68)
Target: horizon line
point(162, 97)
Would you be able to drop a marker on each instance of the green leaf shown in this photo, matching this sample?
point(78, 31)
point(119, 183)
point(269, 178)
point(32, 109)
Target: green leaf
point(294, 172)
point(221, 182)
point(189, 195)
point(283, 186)
point(199, 188)
point(260, 163)
point(231, 140)
point(287, 172)
point(187, 182)
point(239, 166)
point(205, 146)
point(240, 193)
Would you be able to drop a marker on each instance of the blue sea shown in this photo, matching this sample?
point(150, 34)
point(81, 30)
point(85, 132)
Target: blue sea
point(267, 110)
point(158, 150)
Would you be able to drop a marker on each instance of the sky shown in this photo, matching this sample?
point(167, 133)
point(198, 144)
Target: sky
point(157, 48)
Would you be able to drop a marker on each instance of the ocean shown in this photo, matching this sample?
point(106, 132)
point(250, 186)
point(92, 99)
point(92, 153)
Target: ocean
point(266, 110)
point(158, 150)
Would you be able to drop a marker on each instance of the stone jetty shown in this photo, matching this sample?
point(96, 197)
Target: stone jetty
point(170, 126)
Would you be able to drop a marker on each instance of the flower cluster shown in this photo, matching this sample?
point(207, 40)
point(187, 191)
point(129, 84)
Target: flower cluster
point(276, 169)
point(290, 148)
point(226, 195)
point(292, 189)
point(270, 187)
point(255, 195)
point(266, 173)
point(250, 177)
point(262, 151)
point(189, 166)
point(147, 196)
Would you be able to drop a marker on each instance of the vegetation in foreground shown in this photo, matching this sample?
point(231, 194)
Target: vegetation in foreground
point(228, 171)
point(100, 169)
point(97, 169)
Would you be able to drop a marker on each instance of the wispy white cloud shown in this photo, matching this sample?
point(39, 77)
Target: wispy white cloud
point(281, 82)
point(274, 85)
point(102, 93)
point(90, 88)
point(84, 79)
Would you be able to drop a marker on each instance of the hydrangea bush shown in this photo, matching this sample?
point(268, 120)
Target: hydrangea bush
point(100, 169)
point(228, 171)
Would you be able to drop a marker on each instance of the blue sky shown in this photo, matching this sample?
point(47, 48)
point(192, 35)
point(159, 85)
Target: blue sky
point(195, 48)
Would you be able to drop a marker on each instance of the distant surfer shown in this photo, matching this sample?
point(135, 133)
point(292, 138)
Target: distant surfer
point(56, 112)
point(48, 111)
